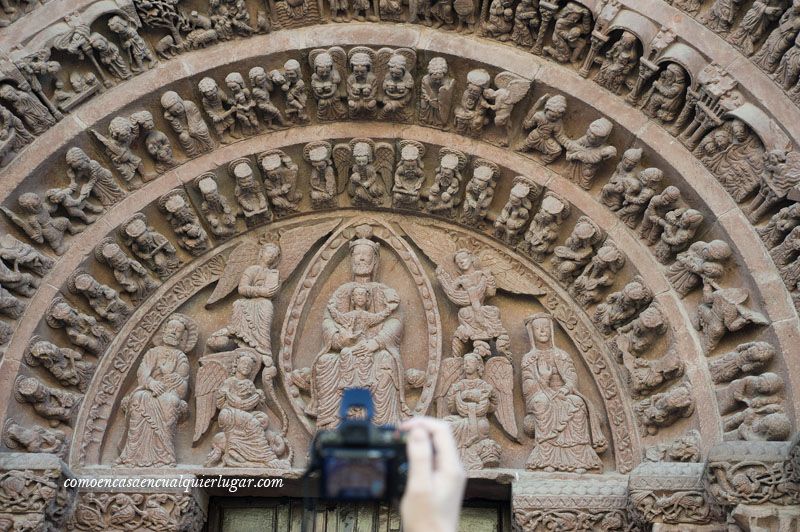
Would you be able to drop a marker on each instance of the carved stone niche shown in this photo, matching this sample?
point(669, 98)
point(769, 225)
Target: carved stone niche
point(670, 493)
point(171, 508)
point(32, 492)
point(542, 505)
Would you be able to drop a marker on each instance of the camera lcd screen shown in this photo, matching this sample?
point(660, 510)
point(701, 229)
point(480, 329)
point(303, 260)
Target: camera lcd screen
point(355, 476)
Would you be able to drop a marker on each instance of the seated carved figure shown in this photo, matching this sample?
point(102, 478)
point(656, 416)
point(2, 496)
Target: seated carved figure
point(665, 100)
point(560, 419)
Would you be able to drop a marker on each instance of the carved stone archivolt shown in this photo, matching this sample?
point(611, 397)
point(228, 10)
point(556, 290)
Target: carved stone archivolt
point(449, 216)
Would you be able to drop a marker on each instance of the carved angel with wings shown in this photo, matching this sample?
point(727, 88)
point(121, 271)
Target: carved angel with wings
point(369, 166)
point(511, 88)
point(225, 384)
point(470, 391)
point(394, 68)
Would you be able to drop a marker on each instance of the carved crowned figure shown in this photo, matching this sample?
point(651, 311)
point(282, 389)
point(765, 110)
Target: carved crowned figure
point(561, 420)
point(362, 329)
point(158, 402)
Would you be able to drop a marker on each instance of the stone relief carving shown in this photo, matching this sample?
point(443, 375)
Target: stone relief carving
point(280, 181)
point(215, 207)
point(562, 422)
point(146, 511)
point(746, 358)
point(640, 203)
point(665, 408)
point(34, 114)
point(322, 180)
point(103, 299)
point(436, 94)
point(678, 229)
point(510, 223)
point(327, 85)
point(409, 176)
point(15, 136)
point(65, 365)
point(570, 259)
point(573, 23)
point(622, 306)
point(54, 404)
point(187, 123)
point(545, 122)
point(642, 332)
point(588, 152)
point(735, 156)
point(249, 194)
point(701, 264)
point(542, 233)
point(34, 439)
point(779, 178)
point(369, 167)
point(646, 376)
point(722, 311)
point(619, 61)
point(686, 448)
point(443, 195)
point(753, 409)
point(598, 275)
point(396, 91)
point(479, 192)
point(185, 223)
point(158, 402)
point(37, 222)
point(666, 98)
point(81, 329)
point(150, 246)
point(129, 273)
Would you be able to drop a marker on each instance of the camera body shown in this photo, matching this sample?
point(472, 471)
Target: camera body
point(359, 461)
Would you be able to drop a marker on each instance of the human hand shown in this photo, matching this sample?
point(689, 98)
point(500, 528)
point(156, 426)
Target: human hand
point(435, 487)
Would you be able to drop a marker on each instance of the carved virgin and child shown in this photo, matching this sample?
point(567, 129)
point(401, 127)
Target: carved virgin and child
point(362, 330)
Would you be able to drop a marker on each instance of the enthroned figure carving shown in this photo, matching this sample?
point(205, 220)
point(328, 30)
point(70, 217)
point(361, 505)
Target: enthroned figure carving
point(327, 84)
point(369, 166)
point(215, 207)
point(150, 246)
point(561, 420)
point(362, 330)
point(249, 194)
point(322, 180)
point(573, 26)
point(543, 231)
point(443, 195)
point(129, 273)
point(598, 274)
point(666, 97)
point(409, 176)
point(479, 192)
point(577, 251)
point(619, 61)
point(514, 216)
point(187, 227)
point(158, 402)
point(280, 181)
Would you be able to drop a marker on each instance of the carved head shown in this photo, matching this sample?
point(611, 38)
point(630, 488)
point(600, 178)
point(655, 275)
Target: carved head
point(208, 186)
point(319, 157)
point(598, 132)
point(555, 108)
point(465, 260)
point(62, 312)
point(722, 139)
point(85, 282)
point(30, 202)
point(291, 70)
point(208, 88)
point(172, 103)
point(540, 330)
point(117, 24)
point(651, 317)
point(7, 92)
point(143, 119)
point(244, 175)
point(364, 253)
point(651, 176)
point(246, 362)
point(628, 39)
point(361, 63)
point(323, 65)
point(43, 351)
point(362, 153)
point(114, 255)
point(235, 82)
point(271, 162)
point(360, 297)
point(269, 255)
point(173, 333)
point(397, 66)
point(257, 75)
point(77, 159)
point(630, 158)
point(437, 69)
point(473, 364)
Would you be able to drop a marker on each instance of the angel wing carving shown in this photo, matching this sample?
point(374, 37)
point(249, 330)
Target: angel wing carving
point(210, 377)
point(510, 276)
point(384, 163)
point(499, 373)
point(515, 86)
point(452, 370)
point(240, 258)
point(343, 161)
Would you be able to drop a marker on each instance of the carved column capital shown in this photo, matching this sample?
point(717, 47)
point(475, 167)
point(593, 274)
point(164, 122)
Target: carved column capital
point(32, 492)
point(167, 505)
point(575, 504)
point(671, 493)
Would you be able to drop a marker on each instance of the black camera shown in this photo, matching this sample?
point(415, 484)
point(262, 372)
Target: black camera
point(359, 461)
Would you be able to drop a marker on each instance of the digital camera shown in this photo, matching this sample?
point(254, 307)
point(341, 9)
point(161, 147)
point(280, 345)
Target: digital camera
point(359, 461)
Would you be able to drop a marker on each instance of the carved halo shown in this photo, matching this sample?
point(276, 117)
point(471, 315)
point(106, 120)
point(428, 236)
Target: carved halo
point(190, 335)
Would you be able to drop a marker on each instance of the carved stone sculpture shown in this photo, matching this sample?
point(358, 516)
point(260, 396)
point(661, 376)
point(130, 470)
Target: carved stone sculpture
point(511, 88)
point(322, 180)
point(133, 44)
point(526, 23)
point(755, 409)
point(9, 305)
point(545, 120)
point(65, 365)
point(680, 226)
point(186, 121)
point(436, 94)
point(157, 144)
point(158, 402)
point(639, 196)
point(35, 220)
point(645, 376)
point(122, 133)
point(244, 105)
point(51, 403)
point(293, 87)
point(666, 98)
point(245, 439)
point(362, 328)
point(187, 227)
point(598, 274)
point(471, 113)
point(501, 20)
point(619, 61)
point(129, 273)
point(34, 439)
point(621, 307)
point(103, 186)
point(469, 291)
point(397, 86)
point(479, 192)
point(780, 39)
point(735, 156)
point(721, 311)
point(327, 85)
point(103, 300)
point(280, 181)
point(262, 87)
point(26, 106)
point(216, 208)
point(562, 422)
point(780, 225)
point(23, 255)
point(613, 193)
point(747, 358)
point(249, 194)
point(720, 16)
point(664, 409)
point(657, 208)
point(642, 332)
point(780, 176)
point(511, 222)
point(14, 136)
point(220, 108)
point(543, 231)
point(20, 282)
point(369, 166)
point(409, 176)
point(577, 251)
point(702, 263)
point(75, 202)
point(683, 449)
point(588, 152)
point(82, 330)
point(572, 27)
point(443, 195)
point(109, 55)
point(150, 246)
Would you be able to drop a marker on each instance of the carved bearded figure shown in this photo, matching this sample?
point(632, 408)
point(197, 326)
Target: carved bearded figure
point(362, 87)
point(565, 428)
point(436, 94)
point(157, 404)
point(362, 331)
point(471, 113)
point(185, 119)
